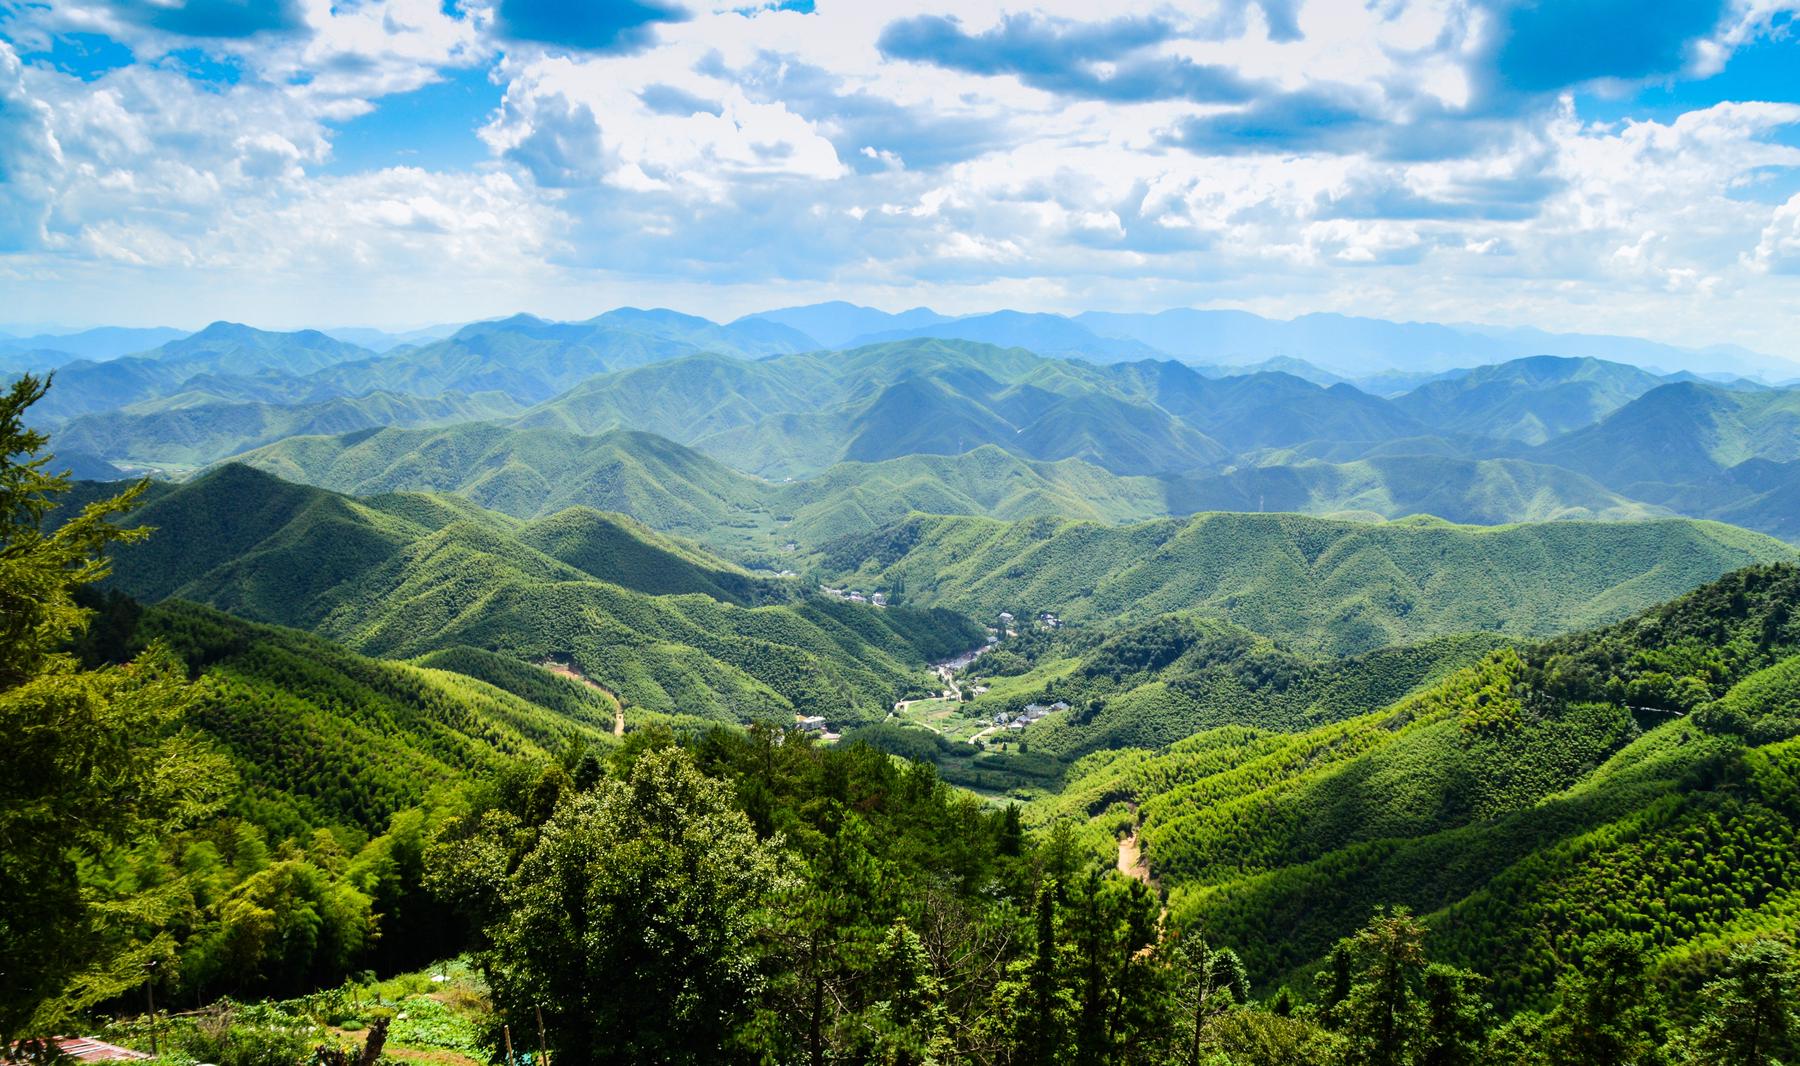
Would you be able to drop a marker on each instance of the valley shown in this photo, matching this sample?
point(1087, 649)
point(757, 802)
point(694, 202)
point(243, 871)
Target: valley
point(817, 533)
point(1199, 648)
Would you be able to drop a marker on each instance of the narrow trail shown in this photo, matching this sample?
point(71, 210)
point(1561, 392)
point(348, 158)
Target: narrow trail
point(1132, 862)
point(568, 670)
point(1131, 857)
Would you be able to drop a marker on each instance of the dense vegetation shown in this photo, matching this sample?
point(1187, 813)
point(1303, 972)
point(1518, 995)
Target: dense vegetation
point(1530, 439)
point(529, 473)
point(1293, 813)
point(1317, 585)
point(657, 622)
point(1154, 684)
point(1636, 779)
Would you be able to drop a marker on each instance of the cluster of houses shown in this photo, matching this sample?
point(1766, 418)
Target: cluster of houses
point(1049, 621)
point(879, 599)
point(1032, 713)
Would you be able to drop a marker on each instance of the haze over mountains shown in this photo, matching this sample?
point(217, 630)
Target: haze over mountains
point(795, 394)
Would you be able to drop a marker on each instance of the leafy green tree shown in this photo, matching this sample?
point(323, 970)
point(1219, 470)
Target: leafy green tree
point(1752, 1013)
point(634, 920)
point(94, 763)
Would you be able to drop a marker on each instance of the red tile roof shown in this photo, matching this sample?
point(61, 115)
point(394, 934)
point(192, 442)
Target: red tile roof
point(88, 1049)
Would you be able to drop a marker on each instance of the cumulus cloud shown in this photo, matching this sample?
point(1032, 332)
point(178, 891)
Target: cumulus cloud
point(1778, 249)
point(31, 159)
point(1419, 158)
point(1100, 61)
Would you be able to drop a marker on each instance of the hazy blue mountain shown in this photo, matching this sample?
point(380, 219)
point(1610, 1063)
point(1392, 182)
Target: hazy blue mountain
point(837, 324)
point(1529, 400)
point(381, 340)
point(531, 359)
point(234, 348)
point(1358, 347)
point(795, 415)
point(224, 361)
point(1050, 335)
point(1683, 433)
point(104, 342)
point(1281, 364)
point(1264, 410)
point(168, 436)
point(1474, 492)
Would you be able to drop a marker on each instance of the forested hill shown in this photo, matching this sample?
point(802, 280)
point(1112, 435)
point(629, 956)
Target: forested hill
point(528, 473)
point(671, 487)
point(1635, 779)
point(656, 621)
point(1316, 584)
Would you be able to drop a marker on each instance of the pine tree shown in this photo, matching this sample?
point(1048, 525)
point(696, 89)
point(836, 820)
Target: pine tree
point(94, 761)
point(1382, 1015)
point(1752, 1012)
point(1602, 1015)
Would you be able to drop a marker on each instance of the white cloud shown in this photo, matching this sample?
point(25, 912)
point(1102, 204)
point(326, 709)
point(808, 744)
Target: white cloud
point(797, 162)
point(31, 159)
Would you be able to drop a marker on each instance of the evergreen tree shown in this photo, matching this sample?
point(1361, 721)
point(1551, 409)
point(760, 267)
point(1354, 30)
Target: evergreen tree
point(1041, 1021)
point(1752, 1012)
point(1382, 1016)
point(94, 761)
point(1603, 1016)
point(1456, 1017)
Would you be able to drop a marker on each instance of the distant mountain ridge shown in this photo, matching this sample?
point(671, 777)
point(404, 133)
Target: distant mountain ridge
point(1535, 437)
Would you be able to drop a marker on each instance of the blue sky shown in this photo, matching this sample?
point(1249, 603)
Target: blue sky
point(1628, 166)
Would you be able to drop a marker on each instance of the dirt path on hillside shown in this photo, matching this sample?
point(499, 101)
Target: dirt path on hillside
point(562, 669)
point(1131, 857)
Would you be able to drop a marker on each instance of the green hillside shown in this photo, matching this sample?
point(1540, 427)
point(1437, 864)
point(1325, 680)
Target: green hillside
point(1684, 433)
point(661, 624)
point(189, 430)
point(1475, 492)
point(322, 736)
point(1154, 684)
point(1636, 778)
point(1527, 400)
point(1316, 585)
point(533, 472)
